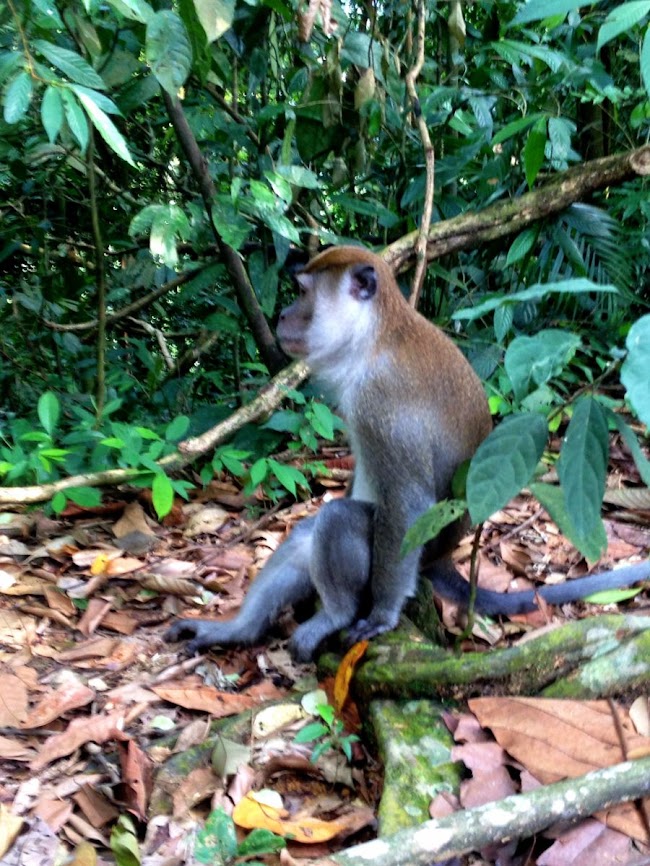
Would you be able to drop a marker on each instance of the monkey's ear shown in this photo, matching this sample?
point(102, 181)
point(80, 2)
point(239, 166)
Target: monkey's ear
point(364, 283)
point(305, 282)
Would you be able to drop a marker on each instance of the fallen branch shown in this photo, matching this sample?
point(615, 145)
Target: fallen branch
point(519, 816)
point(265, 402)
point(581, 659)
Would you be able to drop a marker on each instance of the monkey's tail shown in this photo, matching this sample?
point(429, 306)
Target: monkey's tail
point(448, 583)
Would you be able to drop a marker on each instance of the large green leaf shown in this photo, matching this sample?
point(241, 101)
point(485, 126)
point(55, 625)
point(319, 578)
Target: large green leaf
point(582, 468)
point(49, 410)
point(538, 10)
point(552, 498)
point(75, 117)
point(621, 19)
point(632, 442)
point(635, 372)
point(52, 112)
point(162, 494)
point(17, 97)
point(216, 16)
point(504, 463)
point(534, 293)
point(135, 10)
point(645, 62)
point(533, 153)
point(71, 64)
point(168, 50)
point(106, 128)
point(534, 360)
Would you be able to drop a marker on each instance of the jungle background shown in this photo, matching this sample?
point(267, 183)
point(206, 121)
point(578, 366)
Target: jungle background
point(164, 167)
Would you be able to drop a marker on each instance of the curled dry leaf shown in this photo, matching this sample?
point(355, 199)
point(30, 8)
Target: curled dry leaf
point(345, 673)
point(96, 729)
point(169, 585)
point(249, 813)
point(68, 697)
point(206, 698)
point(13, 705)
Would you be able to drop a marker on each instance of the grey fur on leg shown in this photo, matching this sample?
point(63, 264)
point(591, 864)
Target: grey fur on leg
point(340, 572)
point(283, 581)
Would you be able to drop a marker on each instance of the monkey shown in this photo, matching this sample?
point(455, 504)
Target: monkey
point(415, 411)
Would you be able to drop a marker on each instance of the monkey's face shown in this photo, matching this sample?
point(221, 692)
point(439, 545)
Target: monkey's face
point(294, 321)
point(332, 315)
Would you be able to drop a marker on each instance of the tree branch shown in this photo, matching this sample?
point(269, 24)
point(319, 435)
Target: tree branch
point(515, 817)
point(429, 157)
point(266, 342)
point(508, 217)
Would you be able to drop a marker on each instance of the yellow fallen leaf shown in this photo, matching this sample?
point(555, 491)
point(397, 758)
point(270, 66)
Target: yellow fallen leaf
point(249, 814)
point(345, 672)
point(99, 564)
point(84, 855)
point(10, 826)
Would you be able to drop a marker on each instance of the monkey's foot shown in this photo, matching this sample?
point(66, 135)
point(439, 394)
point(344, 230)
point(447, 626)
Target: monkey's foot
point(202, 635)
point(366, 629)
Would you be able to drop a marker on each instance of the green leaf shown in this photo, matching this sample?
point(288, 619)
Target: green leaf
point(582, 469)
point(259, 471)
point(533, 153)
point(539, 10)
point(299, 176)
point(134, 10)
point(311, 732)
point(645, 62)
point(521, 246)
point(431, 523)
point(635, 374)
point(162, 494)
point(632, 442)
point(613, 596)
point(17, 97)
point(514, 127)
point(536, 292)
point(503, 319)
point(216, 16)
point(622, 18)
point(323, 420)
point(124, 842)
point(71, 64)
point(233, 228)
point(504, 463)
point(537, 359)
point(106, 128)
point(100, 99)
point(168, 50)
point(551, 497)
point(177, 428)
point(288, 476)
point(52, 112)
point(216, 843)
point(169, 224)
point(76, 118)
point(9, 63)
point(58, 502)
point(49, 410)
point(86, 497)
point(259, 842)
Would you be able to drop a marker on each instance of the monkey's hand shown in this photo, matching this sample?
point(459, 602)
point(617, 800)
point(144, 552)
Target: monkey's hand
point(377, 623)
point(203, 634)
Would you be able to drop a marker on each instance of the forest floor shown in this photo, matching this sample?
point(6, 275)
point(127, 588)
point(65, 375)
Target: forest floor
point(90, 693)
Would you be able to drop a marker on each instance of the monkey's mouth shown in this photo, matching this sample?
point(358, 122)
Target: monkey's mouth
point(293, 348)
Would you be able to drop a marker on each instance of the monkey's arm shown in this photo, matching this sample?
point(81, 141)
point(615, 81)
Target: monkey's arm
point(448, 583)
point(284, 580)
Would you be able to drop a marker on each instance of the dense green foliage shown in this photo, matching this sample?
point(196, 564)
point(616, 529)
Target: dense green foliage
point(116, 289)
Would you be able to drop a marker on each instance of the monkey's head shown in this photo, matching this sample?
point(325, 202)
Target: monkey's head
point(342, 292)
